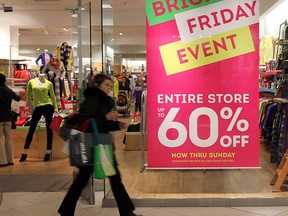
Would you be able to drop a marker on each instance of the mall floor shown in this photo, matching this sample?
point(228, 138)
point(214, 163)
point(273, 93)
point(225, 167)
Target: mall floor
point(47, 203)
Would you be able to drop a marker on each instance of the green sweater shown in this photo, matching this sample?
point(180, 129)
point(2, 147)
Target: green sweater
point(39, 95)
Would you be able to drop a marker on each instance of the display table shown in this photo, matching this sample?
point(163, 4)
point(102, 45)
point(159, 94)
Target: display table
point(134, 142)
point(38, 145)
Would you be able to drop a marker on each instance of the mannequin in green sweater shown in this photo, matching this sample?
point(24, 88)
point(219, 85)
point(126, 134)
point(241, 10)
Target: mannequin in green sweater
point(40, 93)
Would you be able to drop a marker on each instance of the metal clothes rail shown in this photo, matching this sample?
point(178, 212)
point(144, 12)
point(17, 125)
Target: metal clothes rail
point(143, 128)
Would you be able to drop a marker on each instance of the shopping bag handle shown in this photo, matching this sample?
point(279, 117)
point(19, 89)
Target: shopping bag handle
point(96, 132)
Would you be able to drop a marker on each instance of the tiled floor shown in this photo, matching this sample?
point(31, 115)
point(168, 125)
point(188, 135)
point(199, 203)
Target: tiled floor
point(46, 204)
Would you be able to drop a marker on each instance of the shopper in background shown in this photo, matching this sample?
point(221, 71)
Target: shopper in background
point(6, 143)
point(99, 105)
point(137, 93)
point(132, 85)
point(40, 91)
point(124, 85)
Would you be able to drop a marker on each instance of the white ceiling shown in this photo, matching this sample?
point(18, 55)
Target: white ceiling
point(127, 16)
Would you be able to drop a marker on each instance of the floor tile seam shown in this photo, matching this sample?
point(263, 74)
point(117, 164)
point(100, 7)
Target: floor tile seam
point(282, 213)
point(247, 211)
point(162, 209)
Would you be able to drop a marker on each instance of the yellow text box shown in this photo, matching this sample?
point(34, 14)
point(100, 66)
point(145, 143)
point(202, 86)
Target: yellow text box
point(178, 57)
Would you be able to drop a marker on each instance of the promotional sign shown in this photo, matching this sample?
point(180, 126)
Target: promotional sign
point(202, 91)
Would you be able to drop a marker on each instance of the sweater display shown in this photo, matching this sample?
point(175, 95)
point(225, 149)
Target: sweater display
point(41, 95)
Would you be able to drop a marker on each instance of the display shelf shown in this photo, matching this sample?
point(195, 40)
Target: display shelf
point(267, 90)
point(281, 42)
point(269, 73)
point(281, 100)
point(268, 81)
point(38, 146)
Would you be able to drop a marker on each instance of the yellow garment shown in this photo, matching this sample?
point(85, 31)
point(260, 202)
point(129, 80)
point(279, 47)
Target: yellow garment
point(41, 96)
point(58, 55)
point(115, 87)
point(71, 58)
point(266, 49)
point(70, 62)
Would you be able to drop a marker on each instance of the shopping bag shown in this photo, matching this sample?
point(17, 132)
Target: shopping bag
point(56, 122)
point(103, 154)
point(81, 146)
point(103, 161)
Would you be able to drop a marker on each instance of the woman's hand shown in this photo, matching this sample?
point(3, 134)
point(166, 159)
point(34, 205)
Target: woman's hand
point(112, 116)
point(123, 125)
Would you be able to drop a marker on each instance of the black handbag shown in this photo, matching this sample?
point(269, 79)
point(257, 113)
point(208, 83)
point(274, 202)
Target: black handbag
point(14, 116)
point(76, 121)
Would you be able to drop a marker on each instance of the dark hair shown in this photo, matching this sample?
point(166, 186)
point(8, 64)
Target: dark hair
point(98, 79)
point(2, 79)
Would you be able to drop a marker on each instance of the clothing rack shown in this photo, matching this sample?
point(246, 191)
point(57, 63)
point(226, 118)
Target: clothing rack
point(280, 100)
point(273, 121)
point(143, 128)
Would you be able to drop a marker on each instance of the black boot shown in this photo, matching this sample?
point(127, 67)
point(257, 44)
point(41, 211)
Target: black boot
point(133, 214)
point(23, 157)
point(47, 157)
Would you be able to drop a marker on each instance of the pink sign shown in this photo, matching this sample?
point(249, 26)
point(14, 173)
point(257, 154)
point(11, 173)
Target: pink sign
point(202, 65)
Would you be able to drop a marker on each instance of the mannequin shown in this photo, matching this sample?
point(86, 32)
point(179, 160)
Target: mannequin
point(66, 56)
point(40, 92)
point(56, 73)
point(44, 57)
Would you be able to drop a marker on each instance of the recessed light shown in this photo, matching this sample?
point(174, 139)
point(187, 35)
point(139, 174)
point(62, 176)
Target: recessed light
point(106, 6)
point(121, 33)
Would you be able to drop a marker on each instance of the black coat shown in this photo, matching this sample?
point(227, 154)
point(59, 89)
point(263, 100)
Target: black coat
point(6, 97)
point(97, 104)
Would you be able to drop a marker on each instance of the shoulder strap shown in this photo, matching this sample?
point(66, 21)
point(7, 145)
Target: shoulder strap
point(96, 132)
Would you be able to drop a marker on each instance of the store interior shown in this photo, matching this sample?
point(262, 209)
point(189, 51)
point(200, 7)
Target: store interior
point(34, 31)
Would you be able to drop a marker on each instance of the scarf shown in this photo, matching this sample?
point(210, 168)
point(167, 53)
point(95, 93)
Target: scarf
point(55, 63)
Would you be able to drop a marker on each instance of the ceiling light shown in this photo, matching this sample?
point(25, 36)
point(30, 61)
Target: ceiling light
point(106, 6)
point(121, 33)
